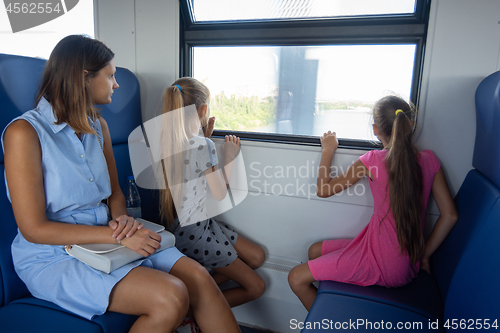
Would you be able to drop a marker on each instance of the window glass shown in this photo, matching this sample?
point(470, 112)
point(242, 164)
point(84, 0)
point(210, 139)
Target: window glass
point(302, 90)
point(229, 10)
point(40, 40)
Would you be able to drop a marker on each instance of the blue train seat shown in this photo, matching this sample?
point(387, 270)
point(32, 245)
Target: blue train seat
point(463, 291)
point(19, 311)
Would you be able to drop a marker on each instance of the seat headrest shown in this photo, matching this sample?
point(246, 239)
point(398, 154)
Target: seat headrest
point(486, 157)
point(20, 78)
point(19, 82)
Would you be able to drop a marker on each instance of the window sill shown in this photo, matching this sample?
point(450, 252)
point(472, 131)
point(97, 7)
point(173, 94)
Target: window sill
point(301, 140)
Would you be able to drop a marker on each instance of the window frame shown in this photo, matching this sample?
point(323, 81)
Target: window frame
point(363, 30)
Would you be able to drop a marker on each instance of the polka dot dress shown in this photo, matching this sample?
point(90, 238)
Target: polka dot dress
point(202, 156)
point(198, 236)
point(209, 242)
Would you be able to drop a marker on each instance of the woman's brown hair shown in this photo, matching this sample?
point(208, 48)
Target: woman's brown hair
point(63, 84)
point(183, 92)
point(405, 174)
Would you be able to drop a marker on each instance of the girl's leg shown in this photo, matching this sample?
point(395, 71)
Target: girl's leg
point(300, 277)
point(315, 250)
point(159, 299)
point(321, 248)
point(250, 257)
point(210, 309)
point(252, 286)
point(252, 254)
point(300, 280)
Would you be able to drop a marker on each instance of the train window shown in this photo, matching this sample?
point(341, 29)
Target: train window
point(235, 10)
point(289, 77)
point(302, 90)
point(39, 40)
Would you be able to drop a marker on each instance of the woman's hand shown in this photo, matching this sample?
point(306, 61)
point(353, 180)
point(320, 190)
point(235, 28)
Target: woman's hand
point(143, 241)
point(329, 141)
point(124, 226)
point(209, 127)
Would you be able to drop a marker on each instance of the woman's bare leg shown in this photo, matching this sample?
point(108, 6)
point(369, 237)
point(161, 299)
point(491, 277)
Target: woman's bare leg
point(209, 307)
point(159, 299)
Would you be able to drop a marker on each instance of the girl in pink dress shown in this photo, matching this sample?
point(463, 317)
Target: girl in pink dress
point(391, 249)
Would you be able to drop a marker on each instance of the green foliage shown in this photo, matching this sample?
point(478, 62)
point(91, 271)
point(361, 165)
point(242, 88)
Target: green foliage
point(242, 113)
point(343, 105)
point(254, 113)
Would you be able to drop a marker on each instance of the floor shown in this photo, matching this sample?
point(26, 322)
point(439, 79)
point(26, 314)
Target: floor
point(246, 329)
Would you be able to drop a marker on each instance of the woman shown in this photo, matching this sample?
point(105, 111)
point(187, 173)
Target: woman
point(59, 167)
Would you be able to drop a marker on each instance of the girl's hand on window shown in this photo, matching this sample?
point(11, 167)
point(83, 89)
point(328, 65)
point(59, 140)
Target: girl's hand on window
point(209, 128)
point(144, 241)
point(231, 148)
point(329, 141)
point(124, 226)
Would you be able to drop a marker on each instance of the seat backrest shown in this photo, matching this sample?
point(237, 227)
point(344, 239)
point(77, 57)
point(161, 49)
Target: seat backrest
point(475, 200)
point(474, 291)
point(19, 81)
point(486, 156)
point(123, 115)
point(466, 264)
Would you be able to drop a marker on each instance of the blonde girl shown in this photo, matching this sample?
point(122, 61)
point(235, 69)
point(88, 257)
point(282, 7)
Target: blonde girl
point(190, 166)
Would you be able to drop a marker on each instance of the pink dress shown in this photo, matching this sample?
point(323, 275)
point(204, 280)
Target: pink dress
point(373, 257)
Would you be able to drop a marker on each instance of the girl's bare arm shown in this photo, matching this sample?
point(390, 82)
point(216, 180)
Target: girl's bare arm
point(328, 185)
point(447, 218)
point(218, 179)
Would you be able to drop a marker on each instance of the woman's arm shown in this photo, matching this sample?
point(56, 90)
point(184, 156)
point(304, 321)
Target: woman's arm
point(447, 218)
point(23, 169)
point(217, 182)
point(328, 186)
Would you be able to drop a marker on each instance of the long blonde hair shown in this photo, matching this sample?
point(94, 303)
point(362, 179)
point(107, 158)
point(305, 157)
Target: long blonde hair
point(184, 92)
point(405, 174)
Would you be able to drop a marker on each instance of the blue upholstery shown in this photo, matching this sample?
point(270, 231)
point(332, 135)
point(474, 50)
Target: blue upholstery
point(123, 116)
point(346, 312)
point(474, 201)
point(48, 317)
point(19, 81)
point(466, 274)
point(487, 145)
point(12, 287)
point(420, 296)
point(19, 311)
point(474, 291)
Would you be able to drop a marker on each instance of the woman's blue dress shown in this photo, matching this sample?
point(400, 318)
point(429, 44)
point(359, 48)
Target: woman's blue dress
point(76, 181)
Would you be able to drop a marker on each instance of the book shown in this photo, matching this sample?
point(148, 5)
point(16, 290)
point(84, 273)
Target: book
point(108, 257)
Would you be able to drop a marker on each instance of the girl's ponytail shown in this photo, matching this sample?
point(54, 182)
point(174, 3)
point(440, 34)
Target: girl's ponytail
point(405, 174)
point(173, 138)
point(175, 143)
